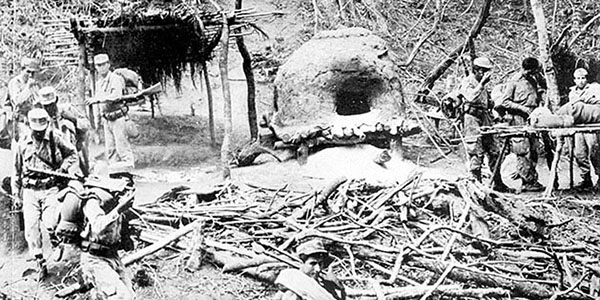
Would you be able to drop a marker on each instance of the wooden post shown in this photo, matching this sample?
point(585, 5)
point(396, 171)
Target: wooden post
point(251, 88)
point(553, 169)
point(227, 123)
point(211, 113)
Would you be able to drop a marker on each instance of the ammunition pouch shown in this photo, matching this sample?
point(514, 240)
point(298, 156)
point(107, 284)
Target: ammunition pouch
point(98, 249)
point(116, 114)
point(39, 183)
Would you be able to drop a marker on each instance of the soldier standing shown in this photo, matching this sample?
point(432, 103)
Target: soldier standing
point(70, 121)
point(477, 113)
point(109, 91)
point(47, 150)
point(22, 95)
point(586, 144)
point(521, 96)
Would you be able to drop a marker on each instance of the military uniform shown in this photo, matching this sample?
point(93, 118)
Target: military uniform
point(477, 113)
point(100, 262)
point(519, 99)
point(586, 145)
point(21, 96)
point(38, 191)
point(118, 149)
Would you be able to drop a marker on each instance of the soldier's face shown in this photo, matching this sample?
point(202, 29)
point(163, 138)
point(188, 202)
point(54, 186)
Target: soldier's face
point(580, 81)
point(102, 68)
point(312, 266)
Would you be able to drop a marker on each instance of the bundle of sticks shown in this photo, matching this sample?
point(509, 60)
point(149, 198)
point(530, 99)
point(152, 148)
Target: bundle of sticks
point(413, 239)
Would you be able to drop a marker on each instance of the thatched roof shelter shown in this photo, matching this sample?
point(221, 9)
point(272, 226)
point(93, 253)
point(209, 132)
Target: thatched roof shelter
point(157, 39)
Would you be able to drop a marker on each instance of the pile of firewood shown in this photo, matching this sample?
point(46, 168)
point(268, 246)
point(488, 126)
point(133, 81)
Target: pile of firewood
point(414, 239)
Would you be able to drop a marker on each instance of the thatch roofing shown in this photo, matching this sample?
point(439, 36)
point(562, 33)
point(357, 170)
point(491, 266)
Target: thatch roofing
point(157, 39)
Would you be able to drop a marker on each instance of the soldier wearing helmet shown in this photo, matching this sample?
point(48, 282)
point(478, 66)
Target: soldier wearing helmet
point(22, 95)
point(522, 94)
point(70, 121)
point(47, 150)
point(310, 282)
point(478, 107)
point(587, 148)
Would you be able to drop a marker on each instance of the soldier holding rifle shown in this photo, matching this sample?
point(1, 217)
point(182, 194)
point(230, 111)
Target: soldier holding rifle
point(109, 89)
point(42, 149)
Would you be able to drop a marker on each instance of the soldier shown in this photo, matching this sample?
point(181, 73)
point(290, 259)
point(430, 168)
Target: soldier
point(109, 91)
point(103, 207)
point(477, 106)
point(47, 150)
point(521, 96)
point(22, 95)
point(308, 282)
point(586, 144)
point(70, 121)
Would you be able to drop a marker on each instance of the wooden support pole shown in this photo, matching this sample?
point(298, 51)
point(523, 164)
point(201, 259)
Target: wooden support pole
point(571, 155)
point(211, 112)
point(553, 169)
point(251, 87)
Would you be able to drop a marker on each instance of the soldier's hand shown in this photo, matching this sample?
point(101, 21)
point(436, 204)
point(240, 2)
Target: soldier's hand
point(17, 202)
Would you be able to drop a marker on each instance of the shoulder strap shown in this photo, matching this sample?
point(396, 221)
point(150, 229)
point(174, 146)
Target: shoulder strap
point(52, 148)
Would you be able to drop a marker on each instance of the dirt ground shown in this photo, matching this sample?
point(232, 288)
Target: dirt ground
point(174, 149)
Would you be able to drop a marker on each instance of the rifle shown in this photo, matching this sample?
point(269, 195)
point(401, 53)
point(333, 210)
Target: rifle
point(54, 173)
point(155, 89)
point(125, 202)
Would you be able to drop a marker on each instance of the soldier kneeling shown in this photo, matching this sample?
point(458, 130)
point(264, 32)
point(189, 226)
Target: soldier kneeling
point(93, 218)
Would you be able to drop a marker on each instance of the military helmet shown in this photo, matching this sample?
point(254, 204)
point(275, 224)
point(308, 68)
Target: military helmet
point(483, 62)
point(38, 119)
point(48, 95)
point(580, 72)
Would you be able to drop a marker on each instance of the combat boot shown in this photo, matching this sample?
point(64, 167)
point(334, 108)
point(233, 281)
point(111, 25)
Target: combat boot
point(503, 188)
point(532, 187)
point(42, 269)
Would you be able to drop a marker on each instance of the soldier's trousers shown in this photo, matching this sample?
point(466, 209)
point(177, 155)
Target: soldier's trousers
point(39, 210)
point(109, 277)
point(587, 150)
point(478, 146)
point(526, 149)
point(118, 149)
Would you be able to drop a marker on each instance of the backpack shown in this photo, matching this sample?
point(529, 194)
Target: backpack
point(131, 78)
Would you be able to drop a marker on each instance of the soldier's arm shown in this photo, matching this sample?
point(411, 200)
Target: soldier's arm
point(68, 151)
point(470, 91)
point(98, 219)
point(116, 87)
point(507, 100)
point(18, 93)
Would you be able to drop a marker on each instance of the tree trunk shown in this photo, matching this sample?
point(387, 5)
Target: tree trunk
point(12, 238)
point(553, 98)
point(445, 64)
point(247, 67)
point(223, 67)
point(211, 112)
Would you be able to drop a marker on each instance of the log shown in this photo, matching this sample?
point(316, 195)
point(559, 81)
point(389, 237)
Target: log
point(418, 291)
point(518, 287)
point(159, 244)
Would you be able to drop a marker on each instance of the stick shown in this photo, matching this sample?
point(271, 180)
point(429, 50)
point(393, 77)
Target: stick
point(160, 244)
